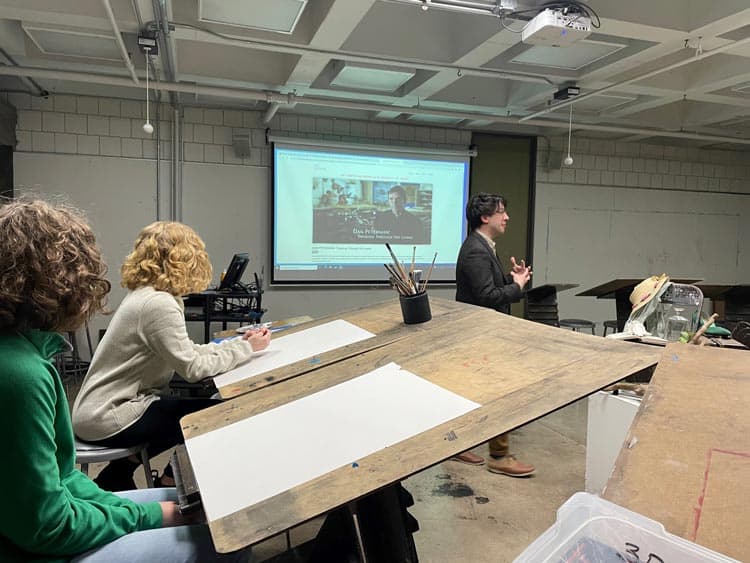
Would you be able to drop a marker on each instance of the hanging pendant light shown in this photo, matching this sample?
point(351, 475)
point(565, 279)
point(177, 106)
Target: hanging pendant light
point(147, 127)
point(569, 159)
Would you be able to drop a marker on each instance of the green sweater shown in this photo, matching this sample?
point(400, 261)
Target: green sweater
point(50, 510)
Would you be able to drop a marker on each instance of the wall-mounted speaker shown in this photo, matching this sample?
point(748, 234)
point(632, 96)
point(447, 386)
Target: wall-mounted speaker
point(241, 142)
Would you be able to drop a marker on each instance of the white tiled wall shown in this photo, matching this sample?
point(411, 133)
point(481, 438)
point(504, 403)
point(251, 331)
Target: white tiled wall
point(86, 125)
point(113, 127)
point(599, 162)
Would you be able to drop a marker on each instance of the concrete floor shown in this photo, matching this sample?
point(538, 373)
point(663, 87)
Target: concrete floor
point(469, 514)
point(466, 513)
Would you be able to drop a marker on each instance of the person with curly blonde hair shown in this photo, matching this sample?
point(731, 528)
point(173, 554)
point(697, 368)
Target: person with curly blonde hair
point(52, 279)
point(124, 398)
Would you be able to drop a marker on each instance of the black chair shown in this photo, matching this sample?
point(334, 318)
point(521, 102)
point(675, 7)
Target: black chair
point(578, 324)
point(609, 325)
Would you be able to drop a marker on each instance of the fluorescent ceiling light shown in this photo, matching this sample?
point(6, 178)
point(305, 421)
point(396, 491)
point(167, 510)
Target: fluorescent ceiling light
point(603, 102)
point(280, 16)
point(57, 41)
point(442, 119)
point(572, 57)
point(360, 77)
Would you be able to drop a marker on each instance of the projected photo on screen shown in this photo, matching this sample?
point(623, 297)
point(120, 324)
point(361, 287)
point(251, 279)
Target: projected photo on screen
point(363, 211)
point(335, 207)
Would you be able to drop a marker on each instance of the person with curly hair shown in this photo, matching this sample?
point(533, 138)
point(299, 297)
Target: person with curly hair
point(124, 398)
point(52, 278)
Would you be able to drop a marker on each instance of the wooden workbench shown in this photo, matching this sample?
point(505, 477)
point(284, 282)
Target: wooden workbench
point(686, 460)
point(382, 319)
point(516, 370)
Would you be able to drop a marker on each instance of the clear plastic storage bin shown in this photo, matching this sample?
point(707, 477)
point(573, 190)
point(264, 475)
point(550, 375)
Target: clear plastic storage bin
point(592, 530)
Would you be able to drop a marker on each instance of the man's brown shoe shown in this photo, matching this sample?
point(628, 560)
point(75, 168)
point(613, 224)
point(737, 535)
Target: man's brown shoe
point(469, 458)
point(509, 465)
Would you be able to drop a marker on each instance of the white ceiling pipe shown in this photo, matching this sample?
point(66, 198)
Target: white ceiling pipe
point(112, 80)
point(672, 66)
point(30, 83)
point(169, 48)
point(270, 112)
point(120, 42)
point(457, 6)
point(365, 106)
point(640, 131)
point(291, 99)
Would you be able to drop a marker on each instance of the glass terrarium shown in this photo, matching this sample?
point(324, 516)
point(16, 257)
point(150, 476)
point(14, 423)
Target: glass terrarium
point(678, 311)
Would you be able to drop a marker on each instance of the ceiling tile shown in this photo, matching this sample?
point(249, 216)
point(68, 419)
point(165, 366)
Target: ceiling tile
point(73, 43)
point(442, 119)
point(574, 57)
point(362, 77)
point(603, 102)
point(270, 15)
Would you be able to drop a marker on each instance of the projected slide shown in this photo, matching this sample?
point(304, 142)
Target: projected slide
point(335, 208)
point(363, 211)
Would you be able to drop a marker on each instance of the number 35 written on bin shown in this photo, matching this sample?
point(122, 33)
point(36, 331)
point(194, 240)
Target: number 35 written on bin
point(633, 549)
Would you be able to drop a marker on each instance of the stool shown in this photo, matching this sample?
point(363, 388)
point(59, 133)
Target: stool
point(91, 453)
point(71, 367)
point(578, 324)
point(608, 325)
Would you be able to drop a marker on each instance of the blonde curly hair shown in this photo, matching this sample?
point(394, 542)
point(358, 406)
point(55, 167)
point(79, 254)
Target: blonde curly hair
point(167, 256)
point(52, 276)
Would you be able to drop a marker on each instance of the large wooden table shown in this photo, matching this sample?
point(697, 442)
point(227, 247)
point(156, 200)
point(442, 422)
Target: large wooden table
point(686, 460)
point(382, 319)
point(516, 370)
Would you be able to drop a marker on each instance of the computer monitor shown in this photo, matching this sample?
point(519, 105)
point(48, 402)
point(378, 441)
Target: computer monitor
point(234, 271)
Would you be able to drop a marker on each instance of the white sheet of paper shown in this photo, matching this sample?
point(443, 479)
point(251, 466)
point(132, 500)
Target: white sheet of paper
point(254, 459)
point(291, 348)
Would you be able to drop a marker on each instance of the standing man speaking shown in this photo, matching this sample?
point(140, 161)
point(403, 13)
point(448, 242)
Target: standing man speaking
point(481, 280)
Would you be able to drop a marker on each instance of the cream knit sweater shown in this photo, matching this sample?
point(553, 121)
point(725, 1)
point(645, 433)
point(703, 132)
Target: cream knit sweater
point(145, 342)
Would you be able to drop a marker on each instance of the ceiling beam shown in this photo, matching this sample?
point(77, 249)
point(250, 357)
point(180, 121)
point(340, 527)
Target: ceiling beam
point(640, 77)
point(477, 57)
point(118, 40)
point(75, 20)
point(269, 97)
point(334, 30)
point(191, 34)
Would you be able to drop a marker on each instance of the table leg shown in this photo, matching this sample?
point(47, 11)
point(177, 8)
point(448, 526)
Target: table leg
point(352, 507)
point(622, 302)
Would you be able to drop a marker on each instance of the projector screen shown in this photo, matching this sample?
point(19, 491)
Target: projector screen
point(335, 208)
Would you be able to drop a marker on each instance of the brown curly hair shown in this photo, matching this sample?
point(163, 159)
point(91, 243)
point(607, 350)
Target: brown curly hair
point(167, 256)
point(51, 270)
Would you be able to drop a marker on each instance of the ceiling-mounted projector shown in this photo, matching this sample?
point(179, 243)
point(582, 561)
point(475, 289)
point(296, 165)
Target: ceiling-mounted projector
point(553, 28)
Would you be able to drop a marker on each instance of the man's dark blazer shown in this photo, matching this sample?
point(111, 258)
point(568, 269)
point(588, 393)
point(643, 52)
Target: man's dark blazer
point(480, 279)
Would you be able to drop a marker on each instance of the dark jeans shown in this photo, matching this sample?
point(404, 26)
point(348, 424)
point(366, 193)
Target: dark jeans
point(159, 426)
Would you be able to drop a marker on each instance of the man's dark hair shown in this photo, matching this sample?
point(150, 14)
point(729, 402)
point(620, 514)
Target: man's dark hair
point(482, 204)
point(398, 190)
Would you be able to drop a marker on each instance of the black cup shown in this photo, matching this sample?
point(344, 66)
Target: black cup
point(415, 308)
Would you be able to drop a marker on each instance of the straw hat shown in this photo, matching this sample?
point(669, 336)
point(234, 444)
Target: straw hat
point(647, 290)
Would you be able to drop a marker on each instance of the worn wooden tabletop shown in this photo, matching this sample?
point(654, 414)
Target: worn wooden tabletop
point(686, 460)
point(382, 319)
point(516, 370)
